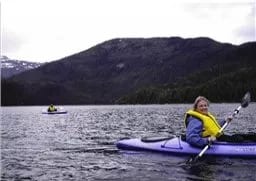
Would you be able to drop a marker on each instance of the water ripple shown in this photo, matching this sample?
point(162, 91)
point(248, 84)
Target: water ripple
point(81, 144)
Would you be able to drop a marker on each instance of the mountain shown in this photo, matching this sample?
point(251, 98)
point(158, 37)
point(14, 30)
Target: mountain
point(116, 68)
point(219, 83)
point(10, 67)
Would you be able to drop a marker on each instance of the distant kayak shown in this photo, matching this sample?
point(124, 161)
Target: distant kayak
point(59, 111)
point(177, 146)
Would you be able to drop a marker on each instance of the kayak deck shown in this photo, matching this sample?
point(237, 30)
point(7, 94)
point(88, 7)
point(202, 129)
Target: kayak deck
point(54, 112)
point(60, 111)
point(177, 146)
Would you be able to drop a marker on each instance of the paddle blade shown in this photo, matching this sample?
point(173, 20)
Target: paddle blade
point(246, 99)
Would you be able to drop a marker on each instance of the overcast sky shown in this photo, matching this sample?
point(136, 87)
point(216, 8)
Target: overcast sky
point(47, 30)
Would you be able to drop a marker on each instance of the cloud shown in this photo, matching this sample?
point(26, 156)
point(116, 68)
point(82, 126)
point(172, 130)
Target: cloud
point(247, 31)
point(45, 30)
point(11, 42)
point(225, 22)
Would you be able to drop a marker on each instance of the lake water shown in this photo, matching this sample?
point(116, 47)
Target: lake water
point(80, 145)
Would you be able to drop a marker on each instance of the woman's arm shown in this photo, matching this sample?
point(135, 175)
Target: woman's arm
point(193, 133)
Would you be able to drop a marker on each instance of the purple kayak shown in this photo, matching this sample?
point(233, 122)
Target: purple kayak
point(59, 110)
point(54, 112)
point(179, 147)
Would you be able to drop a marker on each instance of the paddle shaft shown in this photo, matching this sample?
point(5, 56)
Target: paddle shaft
point(234, 113)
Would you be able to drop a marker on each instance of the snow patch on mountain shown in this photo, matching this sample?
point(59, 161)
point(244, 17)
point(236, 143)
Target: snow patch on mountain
point(10, 67)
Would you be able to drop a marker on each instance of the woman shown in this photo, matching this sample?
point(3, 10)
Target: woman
point(202, 127)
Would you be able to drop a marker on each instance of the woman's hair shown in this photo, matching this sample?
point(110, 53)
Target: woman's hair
point(198, 99)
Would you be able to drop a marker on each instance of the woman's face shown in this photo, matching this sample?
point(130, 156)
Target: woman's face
point(202, 107)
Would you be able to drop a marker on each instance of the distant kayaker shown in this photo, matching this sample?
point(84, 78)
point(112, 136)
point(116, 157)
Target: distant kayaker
point(52, 108)
point(203, 128)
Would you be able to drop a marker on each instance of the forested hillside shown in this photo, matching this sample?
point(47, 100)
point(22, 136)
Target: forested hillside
point(154, 70)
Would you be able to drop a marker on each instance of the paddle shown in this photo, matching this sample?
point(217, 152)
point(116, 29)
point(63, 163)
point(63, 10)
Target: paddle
point(244, 103)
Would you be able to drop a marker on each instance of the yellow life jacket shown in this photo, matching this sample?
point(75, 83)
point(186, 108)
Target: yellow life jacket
point(210, 126)
point(52, 108)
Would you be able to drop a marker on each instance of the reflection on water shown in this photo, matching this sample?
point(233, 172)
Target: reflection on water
point(81, 144)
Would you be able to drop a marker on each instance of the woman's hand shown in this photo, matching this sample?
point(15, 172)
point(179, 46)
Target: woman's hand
point(229, 118)
point(211, 139)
